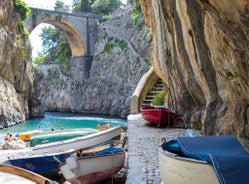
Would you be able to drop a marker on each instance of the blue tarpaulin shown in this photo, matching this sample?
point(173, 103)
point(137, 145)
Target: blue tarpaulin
point(228, 157)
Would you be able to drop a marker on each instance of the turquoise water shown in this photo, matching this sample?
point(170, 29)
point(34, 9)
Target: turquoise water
point(67, 120)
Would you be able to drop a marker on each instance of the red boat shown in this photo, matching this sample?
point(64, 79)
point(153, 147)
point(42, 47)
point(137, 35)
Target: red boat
point(160, 116)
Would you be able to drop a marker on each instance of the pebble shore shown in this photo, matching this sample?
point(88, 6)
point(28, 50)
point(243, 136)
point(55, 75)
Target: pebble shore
point(143, 144)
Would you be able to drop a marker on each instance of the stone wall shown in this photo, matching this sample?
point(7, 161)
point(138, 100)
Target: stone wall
point(201, 50)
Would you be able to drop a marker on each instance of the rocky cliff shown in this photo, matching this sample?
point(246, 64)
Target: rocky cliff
point(121, 57)
point(201, 50)
point(15, 68)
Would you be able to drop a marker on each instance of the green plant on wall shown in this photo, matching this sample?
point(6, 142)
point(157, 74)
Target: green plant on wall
point(158, 99)
point(22, 29)
point(137, 15)
point(231, 75)
point(21, 8)
point(114, 43)
point(24, 11)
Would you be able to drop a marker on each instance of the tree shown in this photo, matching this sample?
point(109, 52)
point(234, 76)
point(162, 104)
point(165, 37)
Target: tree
point(84, 6)
point(50, 37)
point(76, 5)
point(60, 6)
point(55, 46)
point(105, 6)
point(96, 6)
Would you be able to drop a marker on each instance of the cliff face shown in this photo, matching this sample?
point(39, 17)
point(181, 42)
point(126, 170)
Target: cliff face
point(201, 50)
point(15, 69)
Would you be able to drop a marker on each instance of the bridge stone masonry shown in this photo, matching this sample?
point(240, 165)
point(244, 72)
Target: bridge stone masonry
point(80, 29)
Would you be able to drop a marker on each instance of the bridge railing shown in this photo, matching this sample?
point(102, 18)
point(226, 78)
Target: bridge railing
point(40, 6)
point(75, 13)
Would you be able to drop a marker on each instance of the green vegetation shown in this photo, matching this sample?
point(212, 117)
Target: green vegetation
point(55, 45)
point(198, 125)
point(122, 44)
point(108, 47)
point(39, 59)
point(21, 8)
point(138, 15)
point(53, 42)
point(24, 52)
point(114, 43)
point(148, 34)
point(60, 6)
point(104, 7)
point(24, 11)
point(22, 29)
point(231, 76)
point(102, 37)
point(158, 99)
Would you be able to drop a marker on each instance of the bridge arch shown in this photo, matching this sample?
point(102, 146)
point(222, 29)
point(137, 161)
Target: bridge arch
point(72, 35)
point(80, 29)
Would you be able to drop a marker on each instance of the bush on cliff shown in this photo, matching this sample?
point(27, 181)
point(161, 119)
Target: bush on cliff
point(21, 8)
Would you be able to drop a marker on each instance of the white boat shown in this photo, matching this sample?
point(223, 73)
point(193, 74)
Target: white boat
point(94, 168)
point(175, 169)
point(79, 142)
point(10, 174)
point(204, 159)
point(60, 135)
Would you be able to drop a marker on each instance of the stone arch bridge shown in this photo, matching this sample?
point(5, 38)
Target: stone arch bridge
point(80, 29)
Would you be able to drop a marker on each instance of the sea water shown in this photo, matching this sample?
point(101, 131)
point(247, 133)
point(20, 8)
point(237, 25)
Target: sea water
point(67, 120)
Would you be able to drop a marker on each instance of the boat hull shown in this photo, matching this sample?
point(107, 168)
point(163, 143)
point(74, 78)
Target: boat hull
point(160, 116)
point(48, 137)
point(45, 165)
point(93, 168)
point(79, 142)
point(178, 170)
point(11, 174)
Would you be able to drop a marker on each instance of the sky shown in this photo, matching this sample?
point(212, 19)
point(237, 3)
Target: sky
point(34, 36)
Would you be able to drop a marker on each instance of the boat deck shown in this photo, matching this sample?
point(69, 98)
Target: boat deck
point(143, 144)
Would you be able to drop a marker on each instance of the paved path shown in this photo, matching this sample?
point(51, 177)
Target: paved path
point(143, 144)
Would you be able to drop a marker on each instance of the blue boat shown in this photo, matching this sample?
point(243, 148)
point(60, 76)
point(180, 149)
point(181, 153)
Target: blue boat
point(45, 165)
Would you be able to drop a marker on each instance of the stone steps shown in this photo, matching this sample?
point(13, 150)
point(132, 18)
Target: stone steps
point(157, 88)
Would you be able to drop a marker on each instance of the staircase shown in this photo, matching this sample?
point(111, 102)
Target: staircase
point(158, 87)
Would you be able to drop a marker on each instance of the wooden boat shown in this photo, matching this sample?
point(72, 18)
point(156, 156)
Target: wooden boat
point(175, 169)
point(60, 135)
point(46, 165)
point(10, 174)
point(83, 142)
point(159, 116)
point(204, 159)
point(93, 168)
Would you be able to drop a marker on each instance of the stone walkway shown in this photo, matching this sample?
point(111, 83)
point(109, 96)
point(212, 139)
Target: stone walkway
point(143, 144)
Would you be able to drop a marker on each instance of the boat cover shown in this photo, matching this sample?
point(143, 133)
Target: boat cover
point(228, 157)
point(107, 151)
